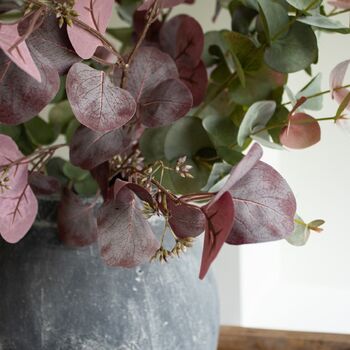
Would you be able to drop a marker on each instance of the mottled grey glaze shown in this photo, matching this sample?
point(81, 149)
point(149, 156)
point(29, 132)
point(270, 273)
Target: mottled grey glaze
point(57, 298)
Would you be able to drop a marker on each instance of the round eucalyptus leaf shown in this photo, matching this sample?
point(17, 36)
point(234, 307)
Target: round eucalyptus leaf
point(72, 126)
point(294, 52)
point(186, 138)
point(87, 187)
point(74, 173)
point(301, 233)
point(222, 131)
point(152, 144)
point(40, 132)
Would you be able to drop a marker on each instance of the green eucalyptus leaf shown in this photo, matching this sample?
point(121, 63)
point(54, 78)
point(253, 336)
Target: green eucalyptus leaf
point(126, 9)
point(279, 119)
point(71, 128)
point(14, 131)
point(323, 22)
point(294, 52)
point(301, 233)
point(124, 35)
point(256, 117)
point(218, 172)
point(231, 155)
point(200, 172)
point(40, 132)
point(60, 116)
point(222, 131)
point(87, 187)
point(54, 167)
point(259, 86)
point(152, 144)
point(61, 94)
point(186, 138)
point(74, 173)
point(305, 4)
point(264, 139)
point(311, 88)
point(274, 17)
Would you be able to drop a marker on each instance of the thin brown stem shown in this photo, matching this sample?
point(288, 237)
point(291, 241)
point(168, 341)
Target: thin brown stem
point(151, 17)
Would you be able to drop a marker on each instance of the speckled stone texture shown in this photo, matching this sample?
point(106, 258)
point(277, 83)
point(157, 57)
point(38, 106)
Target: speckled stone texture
point(58, 298)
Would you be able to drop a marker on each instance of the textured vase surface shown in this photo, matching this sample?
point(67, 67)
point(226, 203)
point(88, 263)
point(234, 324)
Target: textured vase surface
point(59, 298)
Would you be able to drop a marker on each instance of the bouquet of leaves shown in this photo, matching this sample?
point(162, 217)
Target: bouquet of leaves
point(159, 119)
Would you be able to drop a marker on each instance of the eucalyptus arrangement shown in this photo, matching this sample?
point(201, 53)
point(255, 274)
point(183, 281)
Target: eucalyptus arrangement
point(157, 117)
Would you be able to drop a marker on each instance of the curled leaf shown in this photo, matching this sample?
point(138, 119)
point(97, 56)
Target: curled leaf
point(336, 80)
point(96, 102)
point(220, 215)
point(302, 131)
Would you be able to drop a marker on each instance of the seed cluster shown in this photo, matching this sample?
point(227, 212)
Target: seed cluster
point(4, 180)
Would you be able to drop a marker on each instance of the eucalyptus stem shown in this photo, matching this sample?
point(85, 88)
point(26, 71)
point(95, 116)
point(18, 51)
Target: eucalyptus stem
point(338, 12)
point(320, 94)
point(152, 15)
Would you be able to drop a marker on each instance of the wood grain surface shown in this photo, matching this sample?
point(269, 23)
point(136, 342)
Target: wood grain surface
point(236, 338)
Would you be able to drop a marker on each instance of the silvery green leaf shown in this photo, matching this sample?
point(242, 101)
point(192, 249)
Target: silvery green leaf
point(301, 233)
point(264, 138)
point(258, 114)
point(313, 87)
point(319, 21)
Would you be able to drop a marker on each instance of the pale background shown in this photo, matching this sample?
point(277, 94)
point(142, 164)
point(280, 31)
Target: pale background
point(276, 285)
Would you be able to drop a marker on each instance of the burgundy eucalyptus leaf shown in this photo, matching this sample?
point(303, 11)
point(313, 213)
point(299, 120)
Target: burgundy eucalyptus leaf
point(220, 214)
point(140, 191)
point(53, 43)
point(183, 39)
point(89, 148)
point(264, 206)
point(196, 79)
point(242, 168)
point(21, 96)
point(42, 184)
point(302, 131)
point(13, 179)
point(149, 68)
point(163, 4)
point(336, 81)
point(124, 235)
point(96, 15)
point(17, 215)
point(76, 220)
point(184, 219)
point(17, 50)
point(168, 102)
point(96, 101)
point(101, 176)
point(153, 81)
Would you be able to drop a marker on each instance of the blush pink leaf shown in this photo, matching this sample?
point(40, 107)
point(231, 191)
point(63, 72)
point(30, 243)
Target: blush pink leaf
point(302, 131)
point(17, 215)
point(95, 14)
point(220, 214)
point(17, 50)
point(336, 81)
point(17, 174)
point(96, 102)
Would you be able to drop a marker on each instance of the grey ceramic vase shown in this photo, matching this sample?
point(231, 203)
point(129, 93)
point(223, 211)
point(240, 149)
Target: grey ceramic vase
point(58, 298)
